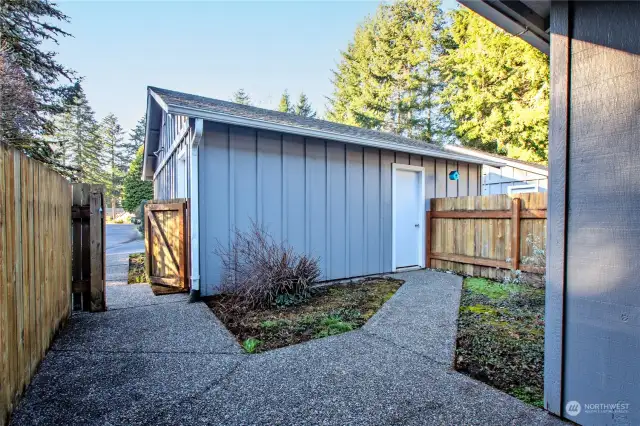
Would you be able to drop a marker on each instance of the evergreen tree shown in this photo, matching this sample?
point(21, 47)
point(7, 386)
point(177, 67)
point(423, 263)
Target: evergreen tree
point(135, 189)
point(24, 26)
point(388, 78)
point(241, 97)
point(285, 103)
point(111, 136)
point(130, 145)
point(303, 107)
point(497, 89)
point(77, 141)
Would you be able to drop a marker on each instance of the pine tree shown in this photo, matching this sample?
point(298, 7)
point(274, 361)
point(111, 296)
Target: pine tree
point(111, 136)
point(388, 78)
point(241, 97)
point(77, 141)
point(24, 26)
point(303, 107)
point(130, 145)
point(497, 89)
point(136, 190)
point(285, 103)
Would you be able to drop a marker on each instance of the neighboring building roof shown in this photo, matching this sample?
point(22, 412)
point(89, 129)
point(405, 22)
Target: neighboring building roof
point(249, 116)
point(527, 19)
point(519, 164)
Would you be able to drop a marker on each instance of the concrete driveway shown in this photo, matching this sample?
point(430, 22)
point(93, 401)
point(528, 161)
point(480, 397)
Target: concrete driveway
point(161, 361)
point(123, 239)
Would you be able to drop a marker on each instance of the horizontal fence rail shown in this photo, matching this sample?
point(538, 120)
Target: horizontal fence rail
point(35, 268)
point(487, 236)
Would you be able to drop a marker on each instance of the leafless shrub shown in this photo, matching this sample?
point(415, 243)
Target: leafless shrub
point(257, 270)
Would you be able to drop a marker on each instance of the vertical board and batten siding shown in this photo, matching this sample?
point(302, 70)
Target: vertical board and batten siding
point(592, 332)
point(325, 198)
point(166, 180)
point(497, 180)
point(35, 268)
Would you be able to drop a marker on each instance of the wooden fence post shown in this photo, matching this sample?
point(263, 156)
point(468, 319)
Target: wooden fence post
point(96, 232)
point(515, 233)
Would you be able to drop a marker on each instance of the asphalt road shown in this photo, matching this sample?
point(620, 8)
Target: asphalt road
point(123, 239)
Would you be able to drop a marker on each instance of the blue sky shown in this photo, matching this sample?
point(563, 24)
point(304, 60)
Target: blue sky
point(206, 48)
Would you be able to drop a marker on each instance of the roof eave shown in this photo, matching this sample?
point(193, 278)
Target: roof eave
point(505, 16)
point(320, 134)
point(506, 161)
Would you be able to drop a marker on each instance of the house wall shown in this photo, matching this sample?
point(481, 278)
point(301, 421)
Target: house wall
point(592, 335)
point(165, 179)
point(325, 198)
point(497, 180)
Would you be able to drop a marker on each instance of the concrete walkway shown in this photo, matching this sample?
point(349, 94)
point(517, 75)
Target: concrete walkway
point(158, 360)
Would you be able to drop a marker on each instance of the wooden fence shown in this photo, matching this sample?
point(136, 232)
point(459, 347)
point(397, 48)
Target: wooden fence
point(88, 216)
point(486, 236)
point(35, 268)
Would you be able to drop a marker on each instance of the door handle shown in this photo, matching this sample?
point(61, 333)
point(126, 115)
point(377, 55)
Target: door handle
point(417, 225)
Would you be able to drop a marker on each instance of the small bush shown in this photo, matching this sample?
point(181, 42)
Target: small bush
point(259, 272)
point(250, 345)
point(139, 216)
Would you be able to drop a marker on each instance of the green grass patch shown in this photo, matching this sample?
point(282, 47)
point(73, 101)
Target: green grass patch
point(137, 272)
point(327, 312)
point(491, 289)
point(501, 337)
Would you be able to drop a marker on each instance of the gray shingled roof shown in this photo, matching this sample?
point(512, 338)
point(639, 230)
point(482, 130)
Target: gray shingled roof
point(200, 103)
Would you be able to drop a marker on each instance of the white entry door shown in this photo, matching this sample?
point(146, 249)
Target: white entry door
point(408, 216)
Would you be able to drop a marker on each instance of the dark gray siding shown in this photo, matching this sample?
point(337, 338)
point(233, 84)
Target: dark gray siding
point(329, 199)
point(601, 344)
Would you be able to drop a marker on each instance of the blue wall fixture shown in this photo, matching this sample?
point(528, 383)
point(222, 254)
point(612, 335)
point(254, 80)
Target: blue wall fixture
point(454, 175)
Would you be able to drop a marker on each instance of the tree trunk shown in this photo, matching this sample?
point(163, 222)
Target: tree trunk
point(113, 208)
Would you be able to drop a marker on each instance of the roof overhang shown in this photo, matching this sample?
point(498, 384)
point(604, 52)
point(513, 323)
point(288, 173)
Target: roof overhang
point(321, 134)
point(155, 106)
point(507, 161)
point(527, 19)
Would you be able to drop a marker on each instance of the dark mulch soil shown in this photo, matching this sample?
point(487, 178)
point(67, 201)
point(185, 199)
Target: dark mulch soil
point(501, 337)
point(330, 310)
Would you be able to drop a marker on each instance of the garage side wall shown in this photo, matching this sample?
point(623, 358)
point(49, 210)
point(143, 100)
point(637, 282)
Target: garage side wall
point(325, 198)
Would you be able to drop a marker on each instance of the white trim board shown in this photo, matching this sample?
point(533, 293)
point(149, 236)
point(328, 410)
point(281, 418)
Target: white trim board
point(421, 213)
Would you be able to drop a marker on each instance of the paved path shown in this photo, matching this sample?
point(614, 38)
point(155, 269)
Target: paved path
point(123, 239)
point(159, 360)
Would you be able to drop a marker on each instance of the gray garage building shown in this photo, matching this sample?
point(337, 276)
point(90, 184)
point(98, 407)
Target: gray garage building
point(353, 197)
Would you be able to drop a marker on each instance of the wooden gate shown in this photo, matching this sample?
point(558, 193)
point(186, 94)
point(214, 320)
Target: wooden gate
point(88, 249)
point(167, 242)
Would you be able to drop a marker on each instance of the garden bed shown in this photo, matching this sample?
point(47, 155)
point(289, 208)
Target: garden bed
point(328, 311)
point(501, 337)
point(137, 272)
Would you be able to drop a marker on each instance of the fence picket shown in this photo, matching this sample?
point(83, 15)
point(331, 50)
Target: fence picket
point(476, 235)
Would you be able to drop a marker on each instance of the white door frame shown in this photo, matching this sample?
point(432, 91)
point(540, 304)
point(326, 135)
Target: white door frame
point(421, 213)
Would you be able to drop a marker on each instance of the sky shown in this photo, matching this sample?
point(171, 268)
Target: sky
point(207, 48)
